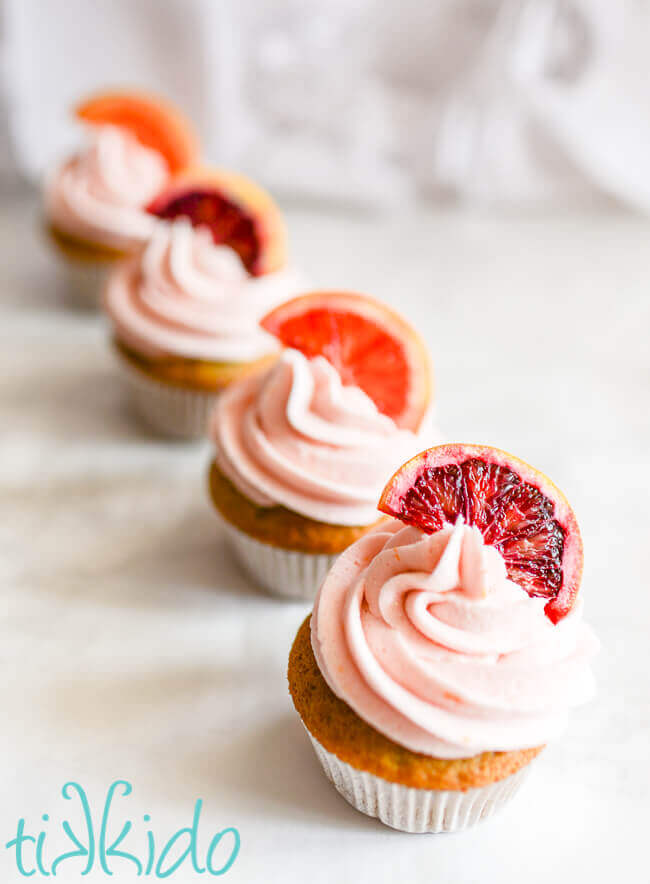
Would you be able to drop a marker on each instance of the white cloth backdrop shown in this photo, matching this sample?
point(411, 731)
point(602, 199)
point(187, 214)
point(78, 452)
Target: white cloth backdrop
point(361, 101)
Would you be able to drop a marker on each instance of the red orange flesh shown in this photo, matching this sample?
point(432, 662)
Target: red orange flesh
point(153, 120)
point(517, 509)
point(237, 212)
point(369, 344)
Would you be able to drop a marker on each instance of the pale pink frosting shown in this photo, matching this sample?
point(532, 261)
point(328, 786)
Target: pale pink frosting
point(99, 194)
point(297, 437)
point(186, 296)
point(429, 642)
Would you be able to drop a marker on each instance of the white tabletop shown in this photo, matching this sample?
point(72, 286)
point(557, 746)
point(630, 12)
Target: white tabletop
point(134, 649)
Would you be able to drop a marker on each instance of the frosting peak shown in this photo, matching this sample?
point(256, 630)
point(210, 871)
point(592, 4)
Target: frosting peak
point(428, 641)
point(186, 296)
point(99, 195)
point(298, 437)
point(454, 559)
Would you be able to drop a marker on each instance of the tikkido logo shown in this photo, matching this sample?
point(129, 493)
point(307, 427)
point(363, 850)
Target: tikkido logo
point(102, 850)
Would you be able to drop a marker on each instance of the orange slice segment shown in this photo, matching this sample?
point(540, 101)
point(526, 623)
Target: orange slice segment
point(237, 211)
point(154, 121)
point(369, 344)
point(517, 509)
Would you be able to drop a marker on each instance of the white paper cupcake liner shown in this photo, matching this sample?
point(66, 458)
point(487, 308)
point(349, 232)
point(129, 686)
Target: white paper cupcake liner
point(416, 810)
point(83, 282)
point(171, 411)
point(283, 573)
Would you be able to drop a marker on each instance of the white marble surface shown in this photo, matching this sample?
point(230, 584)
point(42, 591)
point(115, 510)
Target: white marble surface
point(133, 648)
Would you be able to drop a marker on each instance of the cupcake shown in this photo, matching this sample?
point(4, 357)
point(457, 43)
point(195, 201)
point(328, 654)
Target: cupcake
point(185, 317)
point(302, 449)
point(446, 647)
point(95, 202)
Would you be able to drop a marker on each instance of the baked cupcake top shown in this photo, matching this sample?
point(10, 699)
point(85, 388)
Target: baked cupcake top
point(426, 639)
point(99, 195)
point(297, 437)
point(183, 295)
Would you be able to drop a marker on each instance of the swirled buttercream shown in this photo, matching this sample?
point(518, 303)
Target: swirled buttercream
point(426, 639)
point(297, 437)
point(99, 194)
point(186, 296)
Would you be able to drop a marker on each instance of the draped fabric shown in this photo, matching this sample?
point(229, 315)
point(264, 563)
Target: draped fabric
point(368, 102)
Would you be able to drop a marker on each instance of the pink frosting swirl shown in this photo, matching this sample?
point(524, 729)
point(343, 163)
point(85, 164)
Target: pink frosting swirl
point(429, 642)
point(297, 437)
point(99, 195)
point(184, 295)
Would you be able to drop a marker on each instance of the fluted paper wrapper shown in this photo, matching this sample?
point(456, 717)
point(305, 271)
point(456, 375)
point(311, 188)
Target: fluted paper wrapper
point(171, 411)
point(283, 573)
point(416, 810)
point(83, 282)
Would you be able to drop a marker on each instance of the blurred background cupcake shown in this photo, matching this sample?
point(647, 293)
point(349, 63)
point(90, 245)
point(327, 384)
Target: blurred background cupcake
point(185, 309)
point(95, 202)
point(303, 450)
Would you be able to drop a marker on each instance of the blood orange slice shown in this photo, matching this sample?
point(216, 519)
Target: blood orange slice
point(237, 212)
point(517, 509)
point(155, 122)
point(369, 344)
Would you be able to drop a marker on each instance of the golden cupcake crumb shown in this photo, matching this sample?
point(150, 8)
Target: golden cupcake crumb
point(194, 374)
point(80, 249)
point(279, 526)
point(340, 730)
